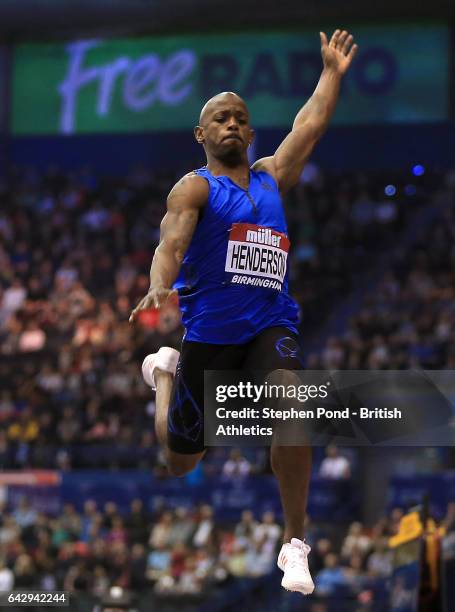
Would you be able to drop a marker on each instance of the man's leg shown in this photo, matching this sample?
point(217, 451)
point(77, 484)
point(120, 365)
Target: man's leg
point(179, 418)
point(277, 352)
point(292, 468)
point(291, 464)
point(177, 463)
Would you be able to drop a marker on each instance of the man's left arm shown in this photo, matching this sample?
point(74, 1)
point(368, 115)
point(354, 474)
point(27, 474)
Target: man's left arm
point(312, 120)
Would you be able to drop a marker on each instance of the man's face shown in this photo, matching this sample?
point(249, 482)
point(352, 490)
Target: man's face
point(225, 131)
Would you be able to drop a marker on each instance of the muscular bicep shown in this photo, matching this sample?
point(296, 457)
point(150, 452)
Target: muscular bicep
point(183, 207)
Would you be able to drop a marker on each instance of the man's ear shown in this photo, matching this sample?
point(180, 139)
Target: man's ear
point(252, 136)
point(199, 134)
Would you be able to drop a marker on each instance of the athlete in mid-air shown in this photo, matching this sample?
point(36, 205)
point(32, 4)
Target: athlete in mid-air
point(224, 249)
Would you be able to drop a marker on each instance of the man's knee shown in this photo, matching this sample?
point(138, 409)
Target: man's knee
point(180, 465)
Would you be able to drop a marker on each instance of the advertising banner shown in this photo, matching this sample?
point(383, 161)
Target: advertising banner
point(160, 83)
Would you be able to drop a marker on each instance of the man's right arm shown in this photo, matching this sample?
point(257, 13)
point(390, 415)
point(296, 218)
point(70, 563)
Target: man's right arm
point(184, 203)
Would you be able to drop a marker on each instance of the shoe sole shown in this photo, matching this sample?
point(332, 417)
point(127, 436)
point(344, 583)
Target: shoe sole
point(294, 588)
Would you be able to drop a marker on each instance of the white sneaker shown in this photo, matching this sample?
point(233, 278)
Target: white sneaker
point(165, 359)
point(293, 561)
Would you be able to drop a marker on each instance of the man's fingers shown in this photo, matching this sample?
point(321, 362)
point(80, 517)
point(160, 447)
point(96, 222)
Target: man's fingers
point(341, 40)
point(156, 300)
point(334, 39)
point(352, 53)
point(159, 299)
point(133, 315)
point(347, 44)
point(163, 297)
point(139, 307)
point(324, 42)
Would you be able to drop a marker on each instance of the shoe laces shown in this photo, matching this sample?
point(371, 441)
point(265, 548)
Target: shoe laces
point(297, 554)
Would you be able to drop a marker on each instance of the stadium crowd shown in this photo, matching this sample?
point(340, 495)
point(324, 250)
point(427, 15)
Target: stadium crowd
point(408, 319)
point(75, 251)
point(74, 257)
point(180, 551)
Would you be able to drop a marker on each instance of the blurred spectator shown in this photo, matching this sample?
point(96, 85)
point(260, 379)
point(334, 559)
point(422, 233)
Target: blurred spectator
point(138, 567)
point(182, 528)
point(137, 522)
point(332, 577)
point(9, 530)
point(25, 515)
point(334, 465)
point(13, 297)
point(247, 526)
point(204, 529)
point(320, 550)
point(158, 561)
point(24, 572)
point(268, 531)
point(379, 563)
point(32, 338)
point(354, 573)
point(88, 519)
point(160, 534)
point(356, 542)
point(333, 354)
point(26, 429)
point(6, 576)
point(236, 466)
point(237, 561)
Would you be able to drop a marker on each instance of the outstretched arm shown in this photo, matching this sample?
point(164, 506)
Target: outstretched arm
point(313, 119)
point(185, 200)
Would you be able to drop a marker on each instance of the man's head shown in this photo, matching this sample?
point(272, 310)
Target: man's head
point(332, 451)
point(224, 129)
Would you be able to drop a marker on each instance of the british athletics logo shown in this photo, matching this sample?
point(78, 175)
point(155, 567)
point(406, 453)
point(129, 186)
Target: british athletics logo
point(256, 256)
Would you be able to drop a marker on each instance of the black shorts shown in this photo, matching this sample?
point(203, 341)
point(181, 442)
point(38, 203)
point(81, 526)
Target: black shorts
point(272, 349)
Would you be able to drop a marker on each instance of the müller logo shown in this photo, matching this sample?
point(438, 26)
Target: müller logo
point(263, 236)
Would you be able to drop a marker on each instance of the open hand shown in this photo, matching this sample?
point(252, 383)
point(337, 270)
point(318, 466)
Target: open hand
point(339, 52)
point(155, 298)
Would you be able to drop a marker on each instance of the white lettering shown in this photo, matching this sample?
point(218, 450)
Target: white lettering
point(170, 76)
point(142, 74)
point(74, 80)
point(109, 74)
point(176, 69)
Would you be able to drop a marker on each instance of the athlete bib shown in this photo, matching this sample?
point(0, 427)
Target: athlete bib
point(256, 256)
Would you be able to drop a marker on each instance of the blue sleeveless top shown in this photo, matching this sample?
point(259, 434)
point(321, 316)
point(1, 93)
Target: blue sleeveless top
point(233, 282)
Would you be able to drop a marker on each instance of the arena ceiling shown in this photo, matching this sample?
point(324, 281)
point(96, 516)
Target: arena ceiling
point(44, 19)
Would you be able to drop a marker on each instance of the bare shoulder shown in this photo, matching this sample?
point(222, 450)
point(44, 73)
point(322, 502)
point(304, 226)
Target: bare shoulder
point(265, 164)
point(190, 191)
